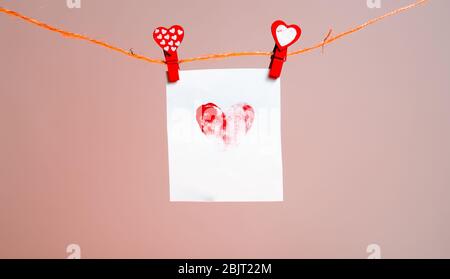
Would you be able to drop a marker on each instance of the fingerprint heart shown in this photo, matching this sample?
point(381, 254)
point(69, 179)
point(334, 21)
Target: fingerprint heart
point(227, 126)
point(162, 38)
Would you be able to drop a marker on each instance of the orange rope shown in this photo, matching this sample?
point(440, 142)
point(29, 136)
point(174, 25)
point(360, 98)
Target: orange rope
point(68, 34)
point(359, 27)
point(327, 41)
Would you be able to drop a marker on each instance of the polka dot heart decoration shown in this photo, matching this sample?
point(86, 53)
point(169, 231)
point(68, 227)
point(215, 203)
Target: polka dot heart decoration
point(169, 39)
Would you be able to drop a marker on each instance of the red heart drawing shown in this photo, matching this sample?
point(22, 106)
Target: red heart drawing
point(169, 39)
point(226, 126)
point(285, 35)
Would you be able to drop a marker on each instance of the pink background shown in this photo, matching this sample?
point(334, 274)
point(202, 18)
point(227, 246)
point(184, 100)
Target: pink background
point(365, 132)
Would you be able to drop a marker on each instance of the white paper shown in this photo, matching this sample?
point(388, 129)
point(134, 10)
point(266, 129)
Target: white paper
point(230, 157)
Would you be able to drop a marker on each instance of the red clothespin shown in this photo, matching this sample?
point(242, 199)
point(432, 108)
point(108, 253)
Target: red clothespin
point(284, 36)
point(169, 39)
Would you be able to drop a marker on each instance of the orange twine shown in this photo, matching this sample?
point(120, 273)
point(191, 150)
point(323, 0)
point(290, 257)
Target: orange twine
point(326, 41)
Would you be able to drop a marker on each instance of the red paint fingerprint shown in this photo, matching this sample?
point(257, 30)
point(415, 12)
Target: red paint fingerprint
point(227, 126)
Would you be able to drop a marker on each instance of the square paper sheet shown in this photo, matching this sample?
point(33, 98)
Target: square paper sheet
point(224, 136)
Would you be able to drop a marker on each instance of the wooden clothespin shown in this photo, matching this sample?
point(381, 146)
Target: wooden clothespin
point(169, 39)
point(284, 36)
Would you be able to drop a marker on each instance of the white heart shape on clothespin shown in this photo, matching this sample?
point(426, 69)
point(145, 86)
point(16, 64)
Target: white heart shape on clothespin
point(162, 42)
point(180, 32)
point(173, 48)
point(166, 48)
point(170, 43)
point(159, 37)
point(285, 35)
point(177, 43)
point(163, 31)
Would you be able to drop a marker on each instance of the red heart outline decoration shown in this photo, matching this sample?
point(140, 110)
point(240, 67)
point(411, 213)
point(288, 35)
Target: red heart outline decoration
point(169, 39)
point(227, 126)
point(283, 34)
